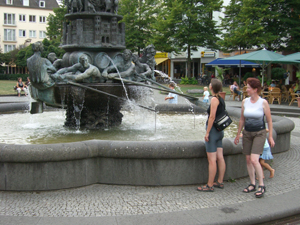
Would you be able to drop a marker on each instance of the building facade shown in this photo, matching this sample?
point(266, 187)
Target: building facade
point(23, 22)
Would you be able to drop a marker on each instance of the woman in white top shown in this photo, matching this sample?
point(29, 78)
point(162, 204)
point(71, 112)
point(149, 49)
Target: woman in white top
point(253, 111)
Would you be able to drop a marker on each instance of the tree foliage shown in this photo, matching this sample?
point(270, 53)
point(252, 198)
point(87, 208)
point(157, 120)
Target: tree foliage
point(55, 23)
point(264, 23)
point(183, 25)
point(49, 46)
point(138, 15)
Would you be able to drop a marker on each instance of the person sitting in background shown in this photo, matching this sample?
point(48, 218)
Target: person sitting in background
point(235, 88)
point(295, 87)
point(273, 84)
point(27, 83)
point(21, 87)
point(265, 87)
point(244, 84)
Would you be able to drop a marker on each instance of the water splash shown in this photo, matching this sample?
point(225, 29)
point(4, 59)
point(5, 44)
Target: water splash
point(107, 114)
point(118, 74)
point(78, 101)
point(62, 96)
point(177, 88)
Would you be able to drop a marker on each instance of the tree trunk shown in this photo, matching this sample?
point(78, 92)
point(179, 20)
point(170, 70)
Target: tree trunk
point(189, 62)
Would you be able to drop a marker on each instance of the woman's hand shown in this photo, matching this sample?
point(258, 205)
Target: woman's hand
point(271, 141)
point(237, 139)
point(206, 137)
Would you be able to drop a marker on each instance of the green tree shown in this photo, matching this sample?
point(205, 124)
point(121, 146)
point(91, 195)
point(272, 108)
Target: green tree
point(49, 46)
point(231, 38)
point(264, 23)
point(292, 20)
point(183, 25)
point(55, 23)
point(138, 15)
point(3, 59)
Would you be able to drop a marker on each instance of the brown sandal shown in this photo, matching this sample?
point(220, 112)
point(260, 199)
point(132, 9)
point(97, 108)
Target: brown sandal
point(219, 185)
point(206, 188)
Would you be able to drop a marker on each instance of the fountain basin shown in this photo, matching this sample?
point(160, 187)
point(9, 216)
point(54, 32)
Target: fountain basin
point(58, 166)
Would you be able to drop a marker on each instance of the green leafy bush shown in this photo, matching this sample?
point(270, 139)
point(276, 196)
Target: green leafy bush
point(13, 76)
point(277, 73)
point(247, 75)
point(186, 80)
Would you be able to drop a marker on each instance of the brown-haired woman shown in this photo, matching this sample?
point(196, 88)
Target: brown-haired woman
point(213, 139)
point(253, 111)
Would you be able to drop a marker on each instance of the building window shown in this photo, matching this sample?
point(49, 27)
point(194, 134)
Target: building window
point(32, 33)
point(42, 34)
point(9, 19)
point(25, 2)
point(8, 48)
point(9, 35)
point(42, 19)
point(9, 2)
point(22, 18)
point(42, 4)
point(32, 18)
point(22, 33)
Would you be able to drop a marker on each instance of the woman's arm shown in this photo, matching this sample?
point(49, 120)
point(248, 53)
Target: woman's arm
point(241, 124)
point(267, 112)
point(212, 115)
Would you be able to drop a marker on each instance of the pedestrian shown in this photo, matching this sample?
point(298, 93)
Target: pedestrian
point(213, 140)
point(205, 95)
point(267, 155)
point(286, 77)
point(254, 108)
point(172, 97)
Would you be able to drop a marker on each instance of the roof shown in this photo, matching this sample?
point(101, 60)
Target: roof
point(34, 4)
point(231, 63)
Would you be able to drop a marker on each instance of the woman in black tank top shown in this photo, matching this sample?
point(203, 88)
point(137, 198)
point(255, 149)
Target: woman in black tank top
point(21, 87)
point(213, 140)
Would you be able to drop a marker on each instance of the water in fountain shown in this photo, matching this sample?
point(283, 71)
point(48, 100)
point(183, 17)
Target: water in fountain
point(166, 77)
point(78, 101)
point(107, 113)
point(62, 96)
point(138, 125)
point(118, 74)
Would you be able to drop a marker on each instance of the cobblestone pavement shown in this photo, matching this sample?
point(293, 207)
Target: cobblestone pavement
point(117, 200)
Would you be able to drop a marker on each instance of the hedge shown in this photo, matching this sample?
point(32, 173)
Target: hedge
point(13, 76)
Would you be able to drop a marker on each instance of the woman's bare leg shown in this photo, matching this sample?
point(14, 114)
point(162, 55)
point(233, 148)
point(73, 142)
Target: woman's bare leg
point(268, 167)
point(221, 164)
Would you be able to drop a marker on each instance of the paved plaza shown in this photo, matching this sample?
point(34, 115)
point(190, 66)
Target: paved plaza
point(119, 204)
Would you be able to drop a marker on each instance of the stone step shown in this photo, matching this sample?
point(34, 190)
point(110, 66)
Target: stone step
point(288, 114)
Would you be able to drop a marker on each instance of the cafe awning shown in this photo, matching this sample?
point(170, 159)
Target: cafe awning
point(160, 60)
point(231, 63)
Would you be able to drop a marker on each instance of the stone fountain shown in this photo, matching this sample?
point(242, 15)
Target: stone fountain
point(87, 81)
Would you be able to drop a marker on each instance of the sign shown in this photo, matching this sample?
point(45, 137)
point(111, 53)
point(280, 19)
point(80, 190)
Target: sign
point(161, 55)
point(207, 54)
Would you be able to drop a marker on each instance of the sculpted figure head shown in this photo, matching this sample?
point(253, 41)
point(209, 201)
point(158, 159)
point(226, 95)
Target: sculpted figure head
point(135, 59)
point(150, 51)
point(37, 46)
point(127, 55)
point(83, 59)
point(52, 56)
